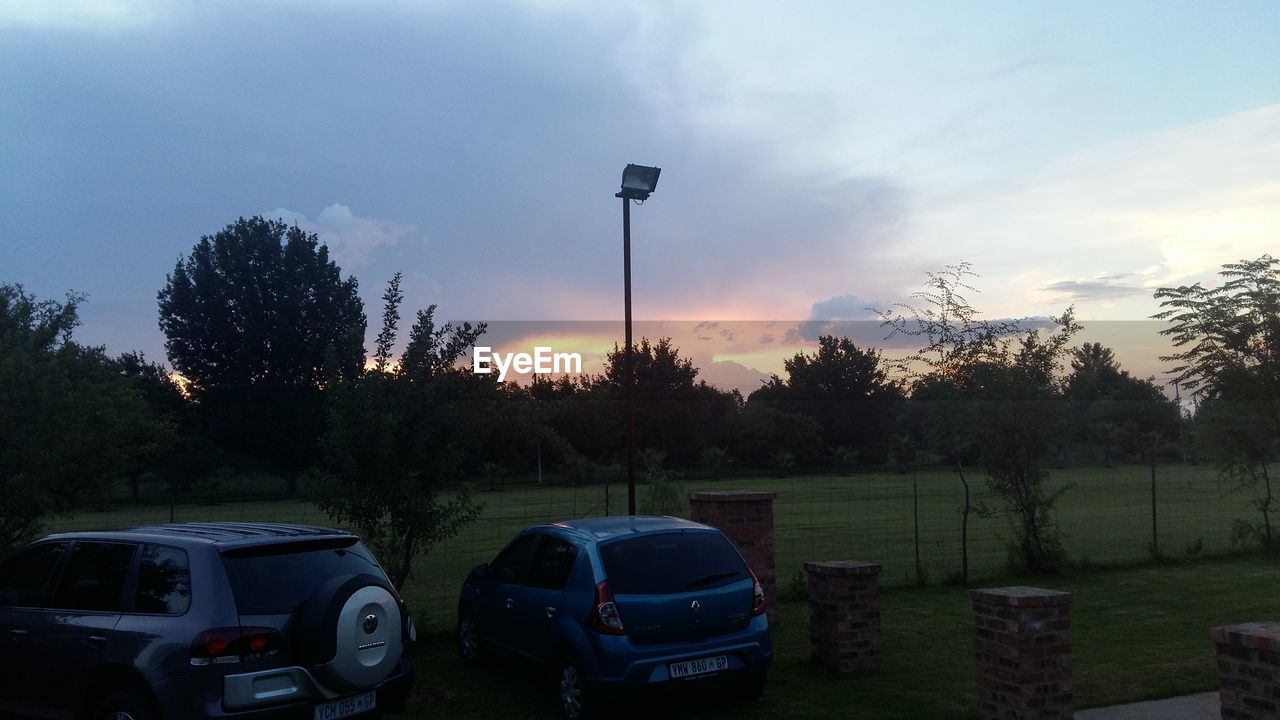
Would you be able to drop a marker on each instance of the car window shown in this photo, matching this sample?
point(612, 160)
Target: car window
point(164, 581)
point(25, 576)
point(278, 578)
point(552, 562)
point(94, 577)
point(671, 563)
point(512, 564)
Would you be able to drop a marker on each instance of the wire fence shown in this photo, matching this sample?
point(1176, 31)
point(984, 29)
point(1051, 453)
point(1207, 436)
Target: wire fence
point(1105, 517)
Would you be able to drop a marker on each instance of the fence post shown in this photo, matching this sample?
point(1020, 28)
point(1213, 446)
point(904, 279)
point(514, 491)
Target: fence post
point(746, 518)
point(1022, 638)
point(844, 614)
point(1248, 670)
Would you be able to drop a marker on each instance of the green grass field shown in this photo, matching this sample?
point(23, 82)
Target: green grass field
point(1137, 633)
point(1105, 519)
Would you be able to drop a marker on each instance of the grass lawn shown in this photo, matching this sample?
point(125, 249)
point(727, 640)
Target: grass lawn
point(1137, 633)
point(1105, 518)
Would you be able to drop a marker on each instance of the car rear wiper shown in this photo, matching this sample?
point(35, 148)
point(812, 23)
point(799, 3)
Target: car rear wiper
point(710, 579)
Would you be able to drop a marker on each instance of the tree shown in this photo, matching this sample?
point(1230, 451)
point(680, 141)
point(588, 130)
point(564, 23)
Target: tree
point(716, 460)
point(70, 422)
point(1020, 413)
point(1227, 343)
point(400, 441)
point(674, 411)
point(846, 389)
point(257, 319)
point(169, 405)
point(955, 342)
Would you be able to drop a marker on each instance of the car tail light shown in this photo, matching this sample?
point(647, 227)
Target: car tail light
point(223, 646)
point(757, 603)
point(604, 616)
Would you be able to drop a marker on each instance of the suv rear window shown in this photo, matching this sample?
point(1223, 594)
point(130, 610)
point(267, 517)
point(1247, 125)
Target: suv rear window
point(671, 563)
point(276, 579)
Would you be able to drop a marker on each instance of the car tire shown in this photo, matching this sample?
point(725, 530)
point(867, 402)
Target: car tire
point(469, 640)
point(124, 705)
point(748, 688)
point(573, 696)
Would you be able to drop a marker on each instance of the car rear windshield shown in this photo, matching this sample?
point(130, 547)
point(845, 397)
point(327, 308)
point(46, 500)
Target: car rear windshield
point(671, 563)
point(275, 579)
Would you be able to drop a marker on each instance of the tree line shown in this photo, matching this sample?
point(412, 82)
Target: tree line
point(265, 338)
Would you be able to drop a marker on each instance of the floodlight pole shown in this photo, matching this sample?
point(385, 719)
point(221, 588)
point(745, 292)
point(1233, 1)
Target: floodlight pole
point(628, 388)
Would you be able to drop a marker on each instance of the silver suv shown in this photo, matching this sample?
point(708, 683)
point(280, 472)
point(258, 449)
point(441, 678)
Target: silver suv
point(194, 621)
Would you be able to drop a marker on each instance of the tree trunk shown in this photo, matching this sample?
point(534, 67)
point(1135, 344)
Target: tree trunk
point(915, 512)
point(964, 526)
point(1155, 538)
point(1266, 506)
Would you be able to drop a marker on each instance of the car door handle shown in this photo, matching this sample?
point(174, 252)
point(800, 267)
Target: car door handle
point(509, 603)
point(551, 612)
point(97, 640)
point(18, 634)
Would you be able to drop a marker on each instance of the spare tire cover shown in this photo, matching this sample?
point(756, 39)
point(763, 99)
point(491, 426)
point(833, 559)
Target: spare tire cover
point(350, 630)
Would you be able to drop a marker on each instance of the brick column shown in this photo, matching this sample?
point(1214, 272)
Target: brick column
point(746, 518)
point(1023, 643)
point(1249, 670)
point(844, 614)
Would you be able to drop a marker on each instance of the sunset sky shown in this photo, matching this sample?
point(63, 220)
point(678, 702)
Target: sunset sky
point(817, 157)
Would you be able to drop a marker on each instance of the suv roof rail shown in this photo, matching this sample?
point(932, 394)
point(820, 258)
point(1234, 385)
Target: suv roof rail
point(225, 531)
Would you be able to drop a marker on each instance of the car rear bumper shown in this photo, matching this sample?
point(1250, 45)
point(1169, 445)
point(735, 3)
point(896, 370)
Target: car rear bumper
point(619, 665)
point(289, 693)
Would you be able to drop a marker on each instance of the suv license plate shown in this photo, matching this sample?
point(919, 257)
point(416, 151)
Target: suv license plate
point(701, 666)
point(346, 707)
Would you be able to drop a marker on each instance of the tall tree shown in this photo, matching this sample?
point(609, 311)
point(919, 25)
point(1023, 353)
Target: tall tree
point(70, 422)
point(261, 302)
point(846, 389)
point(1227, 342)
point(955, 341)
point(400, 442)
point(257, 319)
point(675, 412)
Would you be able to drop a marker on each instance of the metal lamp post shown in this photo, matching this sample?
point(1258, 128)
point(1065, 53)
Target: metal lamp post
point(638, 181)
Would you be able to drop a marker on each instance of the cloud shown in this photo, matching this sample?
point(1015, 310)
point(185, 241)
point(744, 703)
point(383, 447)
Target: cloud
point(90, 15)
point(352, 239)
point(844, 307)
point(1168, 207)
point(1105, 287)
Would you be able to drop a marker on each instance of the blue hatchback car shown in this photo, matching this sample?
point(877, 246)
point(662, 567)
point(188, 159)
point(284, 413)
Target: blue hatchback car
point(617, 604)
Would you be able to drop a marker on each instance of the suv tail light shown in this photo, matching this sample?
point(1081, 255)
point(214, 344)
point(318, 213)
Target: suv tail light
point(757, 604)
point(604, 615)
point(222, 646)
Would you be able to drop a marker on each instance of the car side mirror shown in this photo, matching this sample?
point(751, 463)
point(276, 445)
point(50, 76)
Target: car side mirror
point(478, 572)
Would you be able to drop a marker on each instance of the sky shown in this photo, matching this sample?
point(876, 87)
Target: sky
point(818, 158)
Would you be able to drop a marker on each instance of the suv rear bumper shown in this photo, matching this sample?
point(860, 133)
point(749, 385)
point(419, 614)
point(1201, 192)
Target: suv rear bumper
point(291, 692)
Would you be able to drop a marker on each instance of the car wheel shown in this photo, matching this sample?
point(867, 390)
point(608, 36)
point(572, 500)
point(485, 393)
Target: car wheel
point(571, 690)
point(469, 640)
point(124, 705)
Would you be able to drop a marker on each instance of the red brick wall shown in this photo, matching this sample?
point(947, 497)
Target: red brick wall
point(1249, 670)
point(746, 518)
point(1022, 638)
point(844, 614)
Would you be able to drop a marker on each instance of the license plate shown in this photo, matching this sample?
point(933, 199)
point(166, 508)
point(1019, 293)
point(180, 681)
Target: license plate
point(346, 707)
point(701, 666)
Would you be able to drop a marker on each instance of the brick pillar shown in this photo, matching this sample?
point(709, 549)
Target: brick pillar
point(1023, 643)
point(1249, 670)
point(844, 614)
point(746, 518)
